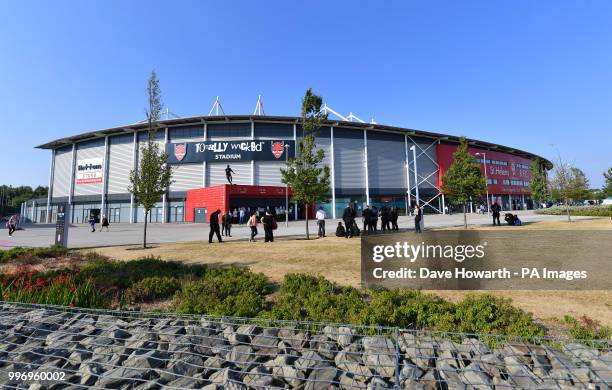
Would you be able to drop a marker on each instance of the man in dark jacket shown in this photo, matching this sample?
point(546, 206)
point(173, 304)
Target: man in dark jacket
point(374, 219)
point(496, 210)
point(268, 225)
point(384, 219)
point(348, 216)
point(214, 226)
point(393, 216)
point(367, 216)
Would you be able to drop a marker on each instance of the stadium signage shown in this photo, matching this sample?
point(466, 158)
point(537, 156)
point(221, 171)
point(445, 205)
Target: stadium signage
point(90, 171)
point(247, 150)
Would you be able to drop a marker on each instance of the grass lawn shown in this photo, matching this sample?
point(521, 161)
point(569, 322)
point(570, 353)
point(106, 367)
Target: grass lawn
point(338, 259)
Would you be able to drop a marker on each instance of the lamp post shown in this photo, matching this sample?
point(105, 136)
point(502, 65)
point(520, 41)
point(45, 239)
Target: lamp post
point(286, 188)
point(484, 162)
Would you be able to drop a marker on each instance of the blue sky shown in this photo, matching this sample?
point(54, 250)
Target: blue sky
point(533, 75)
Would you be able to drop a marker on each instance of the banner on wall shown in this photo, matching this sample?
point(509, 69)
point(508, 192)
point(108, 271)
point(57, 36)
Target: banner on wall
point(90, 171)
point(194, 152)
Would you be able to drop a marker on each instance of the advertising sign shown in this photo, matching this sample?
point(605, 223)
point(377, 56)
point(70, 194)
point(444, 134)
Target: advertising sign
point(247, 150)
point(90, 170)
point(61, 225)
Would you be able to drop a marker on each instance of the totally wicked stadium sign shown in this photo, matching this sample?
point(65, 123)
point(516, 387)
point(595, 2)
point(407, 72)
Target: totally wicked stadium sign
point(194, 152)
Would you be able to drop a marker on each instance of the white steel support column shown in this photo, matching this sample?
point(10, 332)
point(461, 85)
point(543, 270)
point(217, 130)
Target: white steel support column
point(165, 195)
point(523, 205)
point(509, 202)
point(365, 165)
point(22, 214)
point(295, 205)
point(105, 176)
point(333, 173)
point(409, 201)
point(71, 190)
point(443, 205)
point(50, 192)
point(416, 175)
point(204, 163)
point(134, 162)
point(33, 213)
point(252, 161)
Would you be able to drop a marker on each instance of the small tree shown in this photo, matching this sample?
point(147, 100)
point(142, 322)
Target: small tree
point(309, 181)
point(538, 181)
point(568, 184)
point(152, 179)
point(607, 188)
point(463, 180)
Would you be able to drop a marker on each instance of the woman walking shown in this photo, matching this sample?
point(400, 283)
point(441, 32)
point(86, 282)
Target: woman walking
point(252, 223)
point(105, 223)
point(92, 222)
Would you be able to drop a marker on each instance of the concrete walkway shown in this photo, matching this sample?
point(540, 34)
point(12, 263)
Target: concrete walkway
point(80, 236)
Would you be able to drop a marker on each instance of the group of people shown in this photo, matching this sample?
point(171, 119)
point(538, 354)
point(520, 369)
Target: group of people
point(511, 219)
point(93, 220)
point(267, 220)
point(388, 217)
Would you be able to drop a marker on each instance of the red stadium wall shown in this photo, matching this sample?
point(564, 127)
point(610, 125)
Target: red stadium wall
point(218, 197)
point(513, 171)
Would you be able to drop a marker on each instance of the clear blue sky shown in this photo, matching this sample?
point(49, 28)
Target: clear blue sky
point(522, 73)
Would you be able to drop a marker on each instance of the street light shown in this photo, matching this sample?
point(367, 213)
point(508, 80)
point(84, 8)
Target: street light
point(286, 188)
point(484, 162)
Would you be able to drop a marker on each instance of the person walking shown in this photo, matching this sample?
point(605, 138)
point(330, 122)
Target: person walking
point(268, 223)
point(321, 221)
point(11, 225)
point(496, 209)
point(223, 219)
point(228, 224)
point(214, 227)
point(393, 216)
point(348, 216)
point(235, 216)
point(105, 223)
point(252, 223)
point(92, 222)
point(418, 216)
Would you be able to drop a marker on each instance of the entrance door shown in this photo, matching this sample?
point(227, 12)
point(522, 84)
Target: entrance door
point(199, 215)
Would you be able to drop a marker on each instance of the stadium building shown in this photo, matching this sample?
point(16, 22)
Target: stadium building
point(370, 164)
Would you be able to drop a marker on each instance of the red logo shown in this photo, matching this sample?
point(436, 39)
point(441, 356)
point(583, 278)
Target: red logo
point(277, 149)
point(180, 150)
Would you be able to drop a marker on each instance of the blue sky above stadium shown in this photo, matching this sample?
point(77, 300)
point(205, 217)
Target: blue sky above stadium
point(533, 75)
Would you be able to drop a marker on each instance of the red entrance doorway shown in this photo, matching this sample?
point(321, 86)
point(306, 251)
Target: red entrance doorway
point(228, 197)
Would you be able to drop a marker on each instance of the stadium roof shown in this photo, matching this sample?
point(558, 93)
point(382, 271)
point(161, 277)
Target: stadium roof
point(281, 119)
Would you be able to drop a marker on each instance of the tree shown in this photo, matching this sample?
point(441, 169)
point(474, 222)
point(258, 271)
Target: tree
point(463, 180)
point(309, 181)
point(538, 181)
point(607, 189)
point(153, 177)
point(569, 184)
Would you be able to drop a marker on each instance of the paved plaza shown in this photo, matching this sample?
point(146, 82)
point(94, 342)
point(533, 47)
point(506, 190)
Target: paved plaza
point(80, 236)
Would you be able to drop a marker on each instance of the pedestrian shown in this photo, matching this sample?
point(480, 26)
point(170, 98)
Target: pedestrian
point(228, 224)
point(384, 219)
point(235, 216)
point(268, 223)
point(214, 227)
point(366, 216)
point(11, 225)
point(340, 231)
point(393, 216)
point(374, 219)
point(418, 216)
point(223, 219)
point(496, 208)
point(252, 223)
point(348, 216)
point(242, 214)
point(105, 223)
point(321, 221)
point(92, 222)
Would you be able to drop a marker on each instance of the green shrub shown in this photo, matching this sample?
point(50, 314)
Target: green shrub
point(589, 329)
point(228, 291)
point(587, 211)
point(494, 315)
point(152, 288)
point(41, 253)
point(125, 273)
